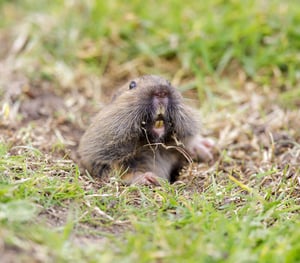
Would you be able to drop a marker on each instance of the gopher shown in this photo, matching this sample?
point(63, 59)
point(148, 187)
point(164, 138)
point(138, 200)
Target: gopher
point(146, 132)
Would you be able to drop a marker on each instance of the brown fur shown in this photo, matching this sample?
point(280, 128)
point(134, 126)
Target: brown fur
point(123, 135)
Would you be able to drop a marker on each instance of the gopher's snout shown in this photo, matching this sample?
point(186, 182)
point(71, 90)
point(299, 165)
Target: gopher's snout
point(160, 111)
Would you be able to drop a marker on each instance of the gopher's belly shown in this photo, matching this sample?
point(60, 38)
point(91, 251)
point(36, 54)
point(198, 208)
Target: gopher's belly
point(158, 160)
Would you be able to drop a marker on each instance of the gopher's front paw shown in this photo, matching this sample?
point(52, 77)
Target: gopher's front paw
point(200, 148)
point(138, 178)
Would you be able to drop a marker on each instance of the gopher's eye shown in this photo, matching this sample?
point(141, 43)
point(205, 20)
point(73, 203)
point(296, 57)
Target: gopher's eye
point(132, 85)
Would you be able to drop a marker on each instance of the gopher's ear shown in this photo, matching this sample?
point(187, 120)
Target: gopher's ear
point(114, 96)
point(117, 92)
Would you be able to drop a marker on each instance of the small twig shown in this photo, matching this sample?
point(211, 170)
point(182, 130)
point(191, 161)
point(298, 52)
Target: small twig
point(177, 148)
point(154, 156)
point(99, 211)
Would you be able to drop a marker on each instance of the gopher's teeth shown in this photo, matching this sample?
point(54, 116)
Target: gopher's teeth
point(159, 124)
point(160, 110)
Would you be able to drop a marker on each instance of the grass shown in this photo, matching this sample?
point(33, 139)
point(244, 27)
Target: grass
point(240, 59)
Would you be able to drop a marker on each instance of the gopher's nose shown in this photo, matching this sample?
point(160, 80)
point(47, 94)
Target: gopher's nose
point(161, 94)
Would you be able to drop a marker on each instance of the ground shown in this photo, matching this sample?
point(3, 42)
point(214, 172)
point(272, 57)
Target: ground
point(59, 64)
